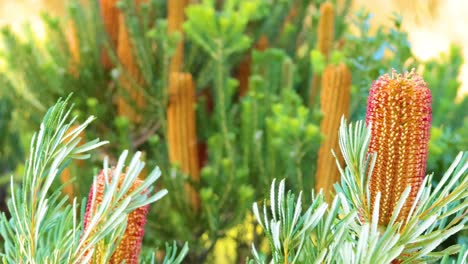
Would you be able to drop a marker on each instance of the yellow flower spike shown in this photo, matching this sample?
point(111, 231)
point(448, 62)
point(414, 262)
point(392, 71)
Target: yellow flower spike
point(325, 29)
point(181, 130)
point(325, 33)
point(334, 103)
point(175, 20)
point(74, 48)
point(131, 78)
point(110, 18)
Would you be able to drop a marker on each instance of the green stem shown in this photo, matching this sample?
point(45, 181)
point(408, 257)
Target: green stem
point(286, 255)
point(221, 109)
point(300, 177)
point(221, 100)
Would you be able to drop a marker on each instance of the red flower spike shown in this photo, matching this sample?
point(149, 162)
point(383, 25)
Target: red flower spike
point(399, 111)
point(130, 246)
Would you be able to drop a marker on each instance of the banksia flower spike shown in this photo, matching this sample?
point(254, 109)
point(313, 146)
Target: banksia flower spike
point(181, 133)
point(131, 77)
point(74, 48)
point(334, 103)
point(175, 19)
point(325, 29)
point(325, 32)
point(129, 247)
point(110, 17)
point(399, 112)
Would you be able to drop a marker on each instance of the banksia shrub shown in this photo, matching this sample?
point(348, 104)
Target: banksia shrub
point(399, 113)
point(181, 133)
point(129, 247)
point(334, 103)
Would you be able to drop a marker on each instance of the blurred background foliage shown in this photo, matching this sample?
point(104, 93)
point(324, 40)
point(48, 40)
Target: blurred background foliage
point(256, 68)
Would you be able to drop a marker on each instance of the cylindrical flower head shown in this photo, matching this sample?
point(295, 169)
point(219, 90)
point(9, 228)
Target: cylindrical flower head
point(131, 78)
point(399, 111)
point(175, 19)
point(181, 130)
point(130, 246)
point(326, 29)
point(334, 103)
point(110, 19)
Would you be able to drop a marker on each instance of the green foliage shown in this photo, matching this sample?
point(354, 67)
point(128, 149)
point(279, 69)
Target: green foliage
point(450, 118)
point(288, 229)
point(291, 126)
point(11, 151)
point(442, 75)
point(220, 34)
point(318, 60)
point(273, 118)
point(385, 49)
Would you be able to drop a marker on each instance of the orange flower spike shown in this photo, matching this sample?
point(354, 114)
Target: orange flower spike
point(175, 19)
point(181, 130)
point(334, 103)
point(131, 78)
point(325, 29)
point(399, 111)
point(130, 246)
point(74, 48)
point(110, 17)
